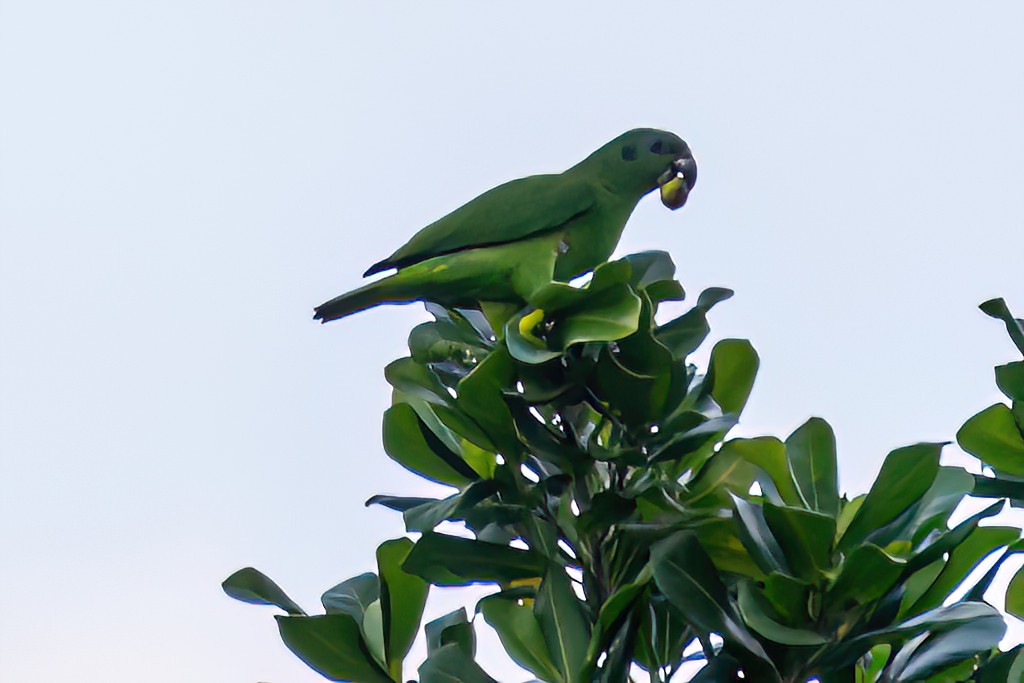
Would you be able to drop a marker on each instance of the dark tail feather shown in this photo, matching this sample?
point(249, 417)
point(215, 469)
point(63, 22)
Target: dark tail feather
point(352, 302)
point(379, 267)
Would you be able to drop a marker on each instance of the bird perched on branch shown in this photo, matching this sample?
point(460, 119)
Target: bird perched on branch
point(512, 242)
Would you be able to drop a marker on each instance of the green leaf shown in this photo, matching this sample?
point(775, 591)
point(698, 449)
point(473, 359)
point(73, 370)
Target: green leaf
point(414, 379)
point(648, 267)
point(934, 621)
point(724, 473)
point(1001, 487)
point(937, 547)
point(452, 561)
point(685, 574)
point(906, 475)
point(252, 586)
point(1002, 667)
point(445, 342)
point(731, 373)
point(402, 599)
point(789, 596)
point(1010, 380)
point(755, 613)
point(867, 574)
point(1014, 327)
point(429, 514)
point(450, 664)
point(564, 623)
point(661, 634)
point(812, 457)
point(453, 627)
point(333, 646)
point(520, 634)
point(480, 397)
point(683, 335)
point(994, 438)
point(608, 316)
point(352, 596)
point(757, 538)
point(769, 454)
point(981, 543)
point(613, 612)
point(805, 536)
point(409, 442)
point(1015, 595)
point(937, 651)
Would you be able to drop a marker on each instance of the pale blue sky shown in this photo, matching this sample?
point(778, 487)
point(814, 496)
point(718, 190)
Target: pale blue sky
point(180, 182)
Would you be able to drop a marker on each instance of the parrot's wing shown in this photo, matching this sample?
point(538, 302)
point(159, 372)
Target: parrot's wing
point(514, 211)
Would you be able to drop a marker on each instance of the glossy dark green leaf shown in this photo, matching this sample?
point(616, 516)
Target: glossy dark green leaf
point(789, 596)
point(1010, 380)
point(933, 621)
point(352, 596)
point(608, 316)
point(453, 627)
point(683, 335)
point(662, 633)
point(685, 574)
point(450, 664)
point(946, 542)
point(480, 396)
point(1015, 595)
point(906, 475)
point(444, 342)
point(431, 513)
point(1002, 667)
point(994, 438)
point(811, 450)
point(402, 599)
point(411, 444)
point(452, 561)
point(520, 634)
point(867, 574)
point(769, 455)
point(686, 442)
point(619, 655)
point(1001, 487)
point(252, 586)
point(981, 543)
point(755, 610)
point(757, 538)
point(938, 651)
point(399, 503)
point(333, 646)
point(1014, 327)
point(805, 537)
point(613, 612)
point(415, 379)
point(564, 623)
point(731, 373)
point(978, 590)
point(648, 267)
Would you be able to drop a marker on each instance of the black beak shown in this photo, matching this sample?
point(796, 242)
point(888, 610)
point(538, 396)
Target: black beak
point(677, 181)
point(688, 168)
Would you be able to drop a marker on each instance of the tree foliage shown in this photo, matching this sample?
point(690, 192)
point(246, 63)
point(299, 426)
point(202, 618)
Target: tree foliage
point(621, 527)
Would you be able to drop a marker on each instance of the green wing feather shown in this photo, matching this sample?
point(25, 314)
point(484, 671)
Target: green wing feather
point(514, 211)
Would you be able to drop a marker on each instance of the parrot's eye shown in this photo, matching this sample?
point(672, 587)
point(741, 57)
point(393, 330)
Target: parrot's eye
point(629, 153)
point(656, 147)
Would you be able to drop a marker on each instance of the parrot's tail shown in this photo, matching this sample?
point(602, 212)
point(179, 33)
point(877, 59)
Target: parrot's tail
point(368, 296)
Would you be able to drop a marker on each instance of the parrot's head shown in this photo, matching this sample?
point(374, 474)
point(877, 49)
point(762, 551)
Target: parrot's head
point(644, 159)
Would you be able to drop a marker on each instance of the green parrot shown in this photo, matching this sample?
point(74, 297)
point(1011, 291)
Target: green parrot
point(515, 242)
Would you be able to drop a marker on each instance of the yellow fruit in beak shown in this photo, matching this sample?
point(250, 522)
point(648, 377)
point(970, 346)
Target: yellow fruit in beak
point(674, 192)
